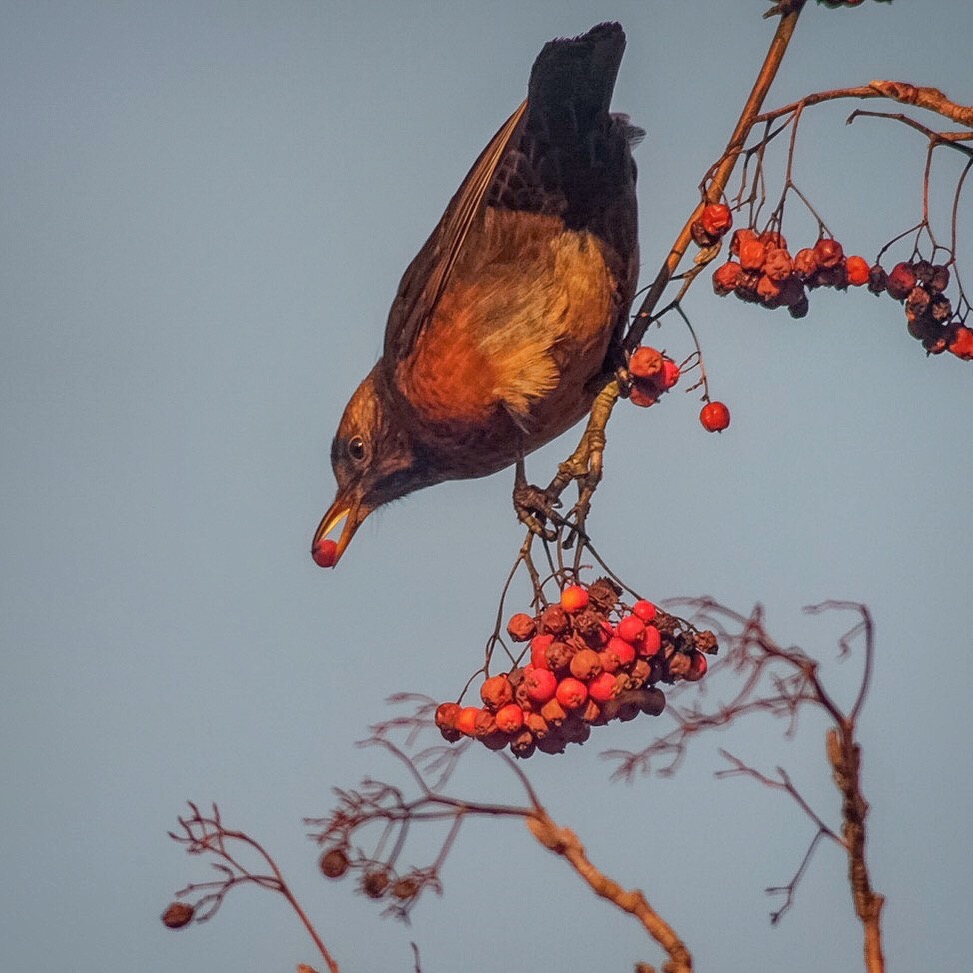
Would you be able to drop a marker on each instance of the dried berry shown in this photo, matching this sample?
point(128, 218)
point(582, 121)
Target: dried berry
point(901, 280)
point(828, 252)
point(554, 620)
point(178, 914)
point(939, 280)
point(484, 725)
point(877, 279)
point(652, 701)
point(725, 277)
point(772, 240)
point(697, 667)
point(521, 627)
point(645, 363)
point(559, 655)
point(604, 594)
point(375, 882)
point(778, 265)
point(405, 888)
point(334, 863)
point(585, 664)
point(752, 253)
point(716, 219)
point(496, 692)
point(641, 396)
point(554, 713)
point(805, 263)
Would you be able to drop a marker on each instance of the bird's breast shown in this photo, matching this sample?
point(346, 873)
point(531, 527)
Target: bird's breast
point(507, 360)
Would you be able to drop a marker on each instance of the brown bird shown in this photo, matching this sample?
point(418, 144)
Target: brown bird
point(509, 319)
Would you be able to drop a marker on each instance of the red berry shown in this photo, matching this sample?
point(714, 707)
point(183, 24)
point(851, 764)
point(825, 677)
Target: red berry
point(622, 650)
point(829, 252)
point(572, 693)
point(961, 343)
point(325, 553)
point(496, 692)
point(466, 720)
point(716, 219)
point(858, 270)
point(752, 253)
point(778, 265)
point(725, 277)
point(538, 650)
point(446, 714)
point(714, 416)
point(645, 610)
point(631, 628)
point(670, 373)
point(602, 687)
point(645, 362)
point(510, 718)
point(740, 237)
point(651, 642)
point(805, 263)
point(540, 684)
point(574, 598)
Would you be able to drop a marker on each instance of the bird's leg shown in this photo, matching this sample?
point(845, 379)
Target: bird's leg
point(584, 465)
point(534, 506)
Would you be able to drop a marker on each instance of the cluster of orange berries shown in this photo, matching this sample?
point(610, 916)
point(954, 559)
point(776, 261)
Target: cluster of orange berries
point(764, 271)
point(592, 660)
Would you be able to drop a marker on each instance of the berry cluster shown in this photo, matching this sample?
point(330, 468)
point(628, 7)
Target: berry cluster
point(592, 660)
point(928, 312)
point(652, 374)
point(764, 271)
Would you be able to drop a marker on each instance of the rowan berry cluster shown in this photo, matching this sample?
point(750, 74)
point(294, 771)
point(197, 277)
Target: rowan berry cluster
point(919, 284)
point(592, 660)
point(652, 374)
point(764, 272)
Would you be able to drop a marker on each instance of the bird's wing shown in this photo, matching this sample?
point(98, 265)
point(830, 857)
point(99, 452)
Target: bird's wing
point(427, 276)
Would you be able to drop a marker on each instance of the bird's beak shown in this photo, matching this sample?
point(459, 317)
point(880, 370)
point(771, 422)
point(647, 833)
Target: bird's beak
point(350, 510)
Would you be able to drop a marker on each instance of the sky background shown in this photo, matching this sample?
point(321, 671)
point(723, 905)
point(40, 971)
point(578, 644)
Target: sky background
point(205, 209)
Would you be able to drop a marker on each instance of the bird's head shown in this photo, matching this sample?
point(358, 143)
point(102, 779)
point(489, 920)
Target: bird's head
point(374, 461)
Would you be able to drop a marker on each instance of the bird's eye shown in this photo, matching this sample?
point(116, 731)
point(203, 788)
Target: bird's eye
point(356, 448)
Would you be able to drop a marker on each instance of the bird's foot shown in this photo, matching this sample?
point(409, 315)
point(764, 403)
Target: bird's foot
point(536, 508)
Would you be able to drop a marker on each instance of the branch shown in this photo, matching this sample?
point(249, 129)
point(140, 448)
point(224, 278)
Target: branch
point(564, 842)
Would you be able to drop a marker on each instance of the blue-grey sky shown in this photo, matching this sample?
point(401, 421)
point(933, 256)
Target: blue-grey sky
point(205, 209)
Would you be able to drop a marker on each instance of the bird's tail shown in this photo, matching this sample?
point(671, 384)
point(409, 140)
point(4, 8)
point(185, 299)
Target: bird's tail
point(571, 83)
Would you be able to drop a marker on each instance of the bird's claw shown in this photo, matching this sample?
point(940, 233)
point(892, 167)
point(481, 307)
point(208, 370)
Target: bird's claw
point(535, 507)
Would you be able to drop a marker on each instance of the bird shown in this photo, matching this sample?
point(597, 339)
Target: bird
point(509, 320)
